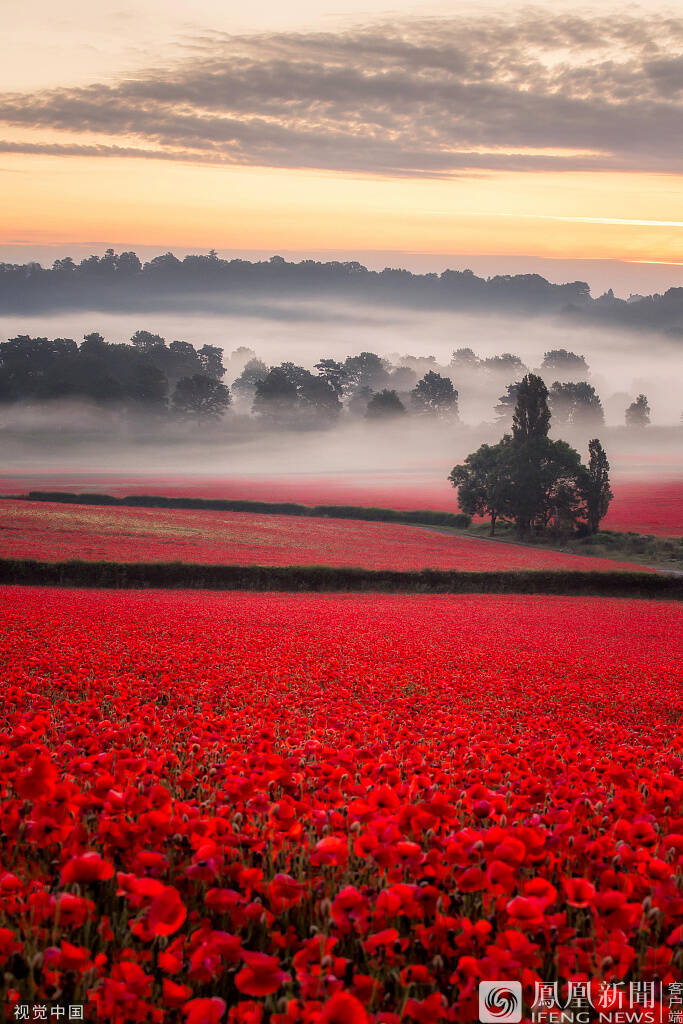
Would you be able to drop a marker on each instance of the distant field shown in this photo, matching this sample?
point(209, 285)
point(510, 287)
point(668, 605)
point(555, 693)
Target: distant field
point(54, 532)
point(652, 507)
point(644, 506)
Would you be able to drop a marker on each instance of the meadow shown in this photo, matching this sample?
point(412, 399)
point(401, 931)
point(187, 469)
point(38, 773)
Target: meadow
point(50, 531)
point(644, 504)
point(252, 807)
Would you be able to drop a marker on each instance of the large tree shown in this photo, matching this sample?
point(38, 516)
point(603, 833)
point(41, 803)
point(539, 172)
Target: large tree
point(527, 478)
point(531, 418)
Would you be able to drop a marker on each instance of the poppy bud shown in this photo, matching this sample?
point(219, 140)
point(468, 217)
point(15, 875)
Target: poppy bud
point(437, 962)
point(503, 821)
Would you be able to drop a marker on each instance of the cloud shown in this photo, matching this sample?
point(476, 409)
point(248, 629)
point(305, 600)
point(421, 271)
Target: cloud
point(421, 97)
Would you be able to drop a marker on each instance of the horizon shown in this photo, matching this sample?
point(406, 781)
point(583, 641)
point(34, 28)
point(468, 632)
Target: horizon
point(623, 278)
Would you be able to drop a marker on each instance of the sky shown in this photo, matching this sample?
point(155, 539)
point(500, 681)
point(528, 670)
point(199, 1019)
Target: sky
point(505, 136)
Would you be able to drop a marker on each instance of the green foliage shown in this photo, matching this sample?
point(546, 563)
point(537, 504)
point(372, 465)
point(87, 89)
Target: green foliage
point(417, 517)
point(538, 483)
point(180, 575)
point(531, 418)
point(597, 492)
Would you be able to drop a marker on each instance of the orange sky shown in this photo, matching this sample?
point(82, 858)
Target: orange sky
point(582, 200)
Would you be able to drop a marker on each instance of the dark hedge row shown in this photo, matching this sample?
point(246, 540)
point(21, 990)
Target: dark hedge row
point(171, 575)
point(423, 517)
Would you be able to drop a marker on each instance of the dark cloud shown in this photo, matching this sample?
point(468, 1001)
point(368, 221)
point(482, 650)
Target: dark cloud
point(422, 97)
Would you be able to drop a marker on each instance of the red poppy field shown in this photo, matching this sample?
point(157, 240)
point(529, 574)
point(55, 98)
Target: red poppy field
point(50, 532)
point(246, 807)
point(645, 505)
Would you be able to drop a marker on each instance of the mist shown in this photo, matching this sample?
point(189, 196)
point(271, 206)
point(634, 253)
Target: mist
point(67, 439)
point(623, 363)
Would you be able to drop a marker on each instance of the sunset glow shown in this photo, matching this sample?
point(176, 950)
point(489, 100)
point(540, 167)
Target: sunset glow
point(490, 132)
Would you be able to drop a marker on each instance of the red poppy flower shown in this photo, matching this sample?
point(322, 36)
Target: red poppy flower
point(204, 1011)
point(579, 892)
point(343, 1008)
point(526, 911)
point(167, 912)
point(261, 976)
point(175, 995)
point(88, 867)
point(245, 1013)
point(39, 781)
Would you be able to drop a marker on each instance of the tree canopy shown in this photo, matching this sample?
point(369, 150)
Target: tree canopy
point(530, 480)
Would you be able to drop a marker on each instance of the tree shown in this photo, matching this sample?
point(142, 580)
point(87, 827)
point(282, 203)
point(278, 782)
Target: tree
point(483, 482)
point(507, 363)
point(93, 344)
point(464, 359)
point(254, 372)
point(276, 397)
point(318, 400)
point(385, 405)
point(144, 340)
point(544, 475)
point(334, 374)
point(201, 397)
point(402, 379)
point(506, 405)
point(638, 413)
point(576, 403)
point(531, 418)
point(435, 395)
point(211, 359)
point(596, 487)
point(365, 370)
point(560, 361)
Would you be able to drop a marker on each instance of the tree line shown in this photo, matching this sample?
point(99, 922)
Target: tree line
point(149, 375)
point(115, 280)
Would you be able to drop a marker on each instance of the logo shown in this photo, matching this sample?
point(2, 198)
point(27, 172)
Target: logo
point(500, 1002)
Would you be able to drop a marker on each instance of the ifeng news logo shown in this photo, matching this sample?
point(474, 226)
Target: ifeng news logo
point(500, 1002)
